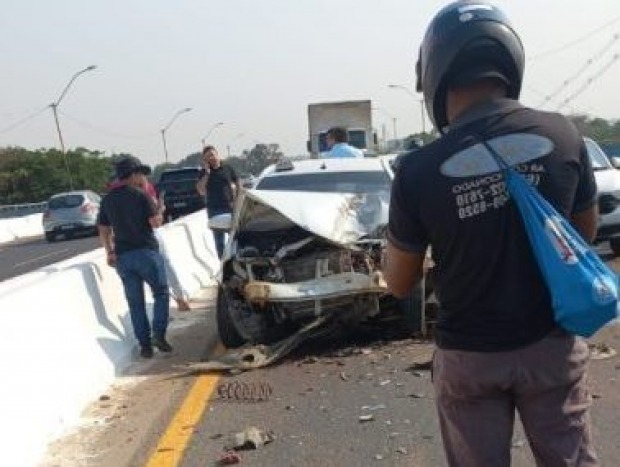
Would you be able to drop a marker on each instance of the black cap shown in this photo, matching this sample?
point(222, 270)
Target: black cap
point(129, 165)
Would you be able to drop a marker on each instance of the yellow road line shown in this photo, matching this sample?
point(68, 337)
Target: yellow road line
point(172, 444)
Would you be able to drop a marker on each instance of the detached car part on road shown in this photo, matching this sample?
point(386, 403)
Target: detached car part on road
point(306, 246)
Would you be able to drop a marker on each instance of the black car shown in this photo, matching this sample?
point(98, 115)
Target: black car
point(177, 188)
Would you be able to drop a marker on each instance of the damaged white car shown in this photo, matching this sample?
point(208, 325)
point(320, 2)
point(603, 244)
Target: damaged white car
point(305, 250)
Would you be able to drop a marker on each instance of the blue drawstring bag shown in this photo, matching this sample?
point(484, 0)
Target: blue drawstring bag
point(584, 291)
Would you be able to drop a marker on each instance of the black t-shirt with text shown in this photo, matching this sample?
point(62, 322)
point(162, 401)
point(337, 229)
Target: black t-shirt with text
point(449, 195)
point(127, 210)
point(219, 191)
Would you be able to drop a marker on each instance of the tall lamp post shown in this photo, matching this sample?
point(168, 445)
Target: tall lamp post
point(216, 125)
point(163, 130)
point(54, 106)
point(421, 101)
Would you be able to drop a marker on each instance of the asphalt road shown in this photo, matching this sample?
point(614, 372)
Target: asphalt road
point(170, 416)
point(18, 258)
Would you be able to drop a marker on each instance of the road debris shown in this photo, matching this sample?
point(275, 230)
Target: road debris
point(344, 376)
point(250, 438)
point(229, 458)
point(385, 382)
point(245, 392)
point(104, 398)
point(401, 450)
point(372, 408)
point(601, 351)
point(379, 457)
point(366, 418)
point(258, 356)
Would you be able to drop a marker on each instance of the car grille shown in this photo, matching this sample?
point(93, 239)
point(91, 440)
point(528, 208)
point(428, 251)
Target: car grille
point(333, 262)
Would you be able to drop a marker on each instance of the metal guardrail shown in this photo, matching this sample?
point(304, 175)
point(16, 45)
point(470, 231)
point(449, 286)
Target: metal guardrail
point(18, 210)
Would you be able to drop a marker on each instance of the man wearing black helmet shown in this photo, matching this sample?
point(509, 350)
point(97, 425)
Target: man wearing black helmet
point(499, 349)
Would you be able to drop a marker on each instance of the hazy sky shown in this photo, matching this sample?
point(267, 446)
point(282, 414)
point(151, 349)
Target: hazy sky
point(256, 64)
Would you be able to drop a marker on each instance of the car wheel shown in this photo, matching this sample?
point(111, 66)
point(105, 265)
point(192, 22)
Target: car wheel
point(226, 329)
point(614, 244)
point(411, 309)
point(50, 237)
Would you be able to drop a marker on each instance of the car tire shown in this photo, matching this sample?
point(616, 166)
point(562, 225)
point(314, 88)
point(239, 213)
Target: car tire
point(614, 244)
point(411, 309)
point(50, 237)
point(226, 329)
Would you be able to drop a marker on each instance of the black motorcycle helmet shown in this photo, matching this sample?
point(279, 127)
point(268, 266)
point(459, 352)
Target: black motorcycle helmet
point(467, 41)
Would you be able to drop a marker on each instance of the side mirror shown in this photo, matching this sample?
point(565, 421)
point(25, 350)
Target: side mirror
point(221, 222)
point(615, 161)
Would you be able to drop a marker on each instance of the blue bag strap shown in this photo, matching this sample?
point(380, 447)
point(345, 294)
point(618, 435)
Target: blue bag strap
point(501, 162)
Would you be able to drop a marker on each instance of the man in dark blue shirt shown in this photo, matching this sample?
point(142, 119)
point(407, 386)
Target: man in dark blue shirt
point(499, 349)
point(126, 221)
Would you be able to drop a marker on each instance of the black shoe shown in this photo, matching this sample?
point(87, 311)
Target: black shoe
point(162, 345)
point(146, 351)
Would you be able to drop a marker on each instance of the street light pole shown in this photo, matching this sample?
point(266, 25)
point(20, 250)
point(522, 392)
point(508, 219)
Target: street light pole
point(204, 140)
point(163, 130)
point(421, 101)
point(54, 106)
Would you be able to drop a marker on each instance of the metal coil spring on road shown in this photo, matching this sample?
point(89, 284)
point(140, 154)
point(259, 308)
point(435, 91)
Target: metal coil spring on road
point(245, 392)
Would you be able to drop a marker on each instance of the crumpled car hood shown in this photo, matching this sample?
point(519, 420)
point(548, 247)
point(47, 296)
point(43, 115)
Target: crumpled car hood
point(342, 218)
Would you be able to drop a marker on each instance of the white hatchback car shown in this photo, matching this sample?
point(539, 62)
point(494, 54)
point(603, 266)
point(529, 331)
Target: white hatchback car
point(608, 184)
point(71, 213)
point(305, 248)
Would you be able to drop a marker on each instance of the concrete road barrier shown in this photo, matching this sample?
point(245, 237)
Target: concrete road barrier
point(21, 227)
point(67, 335)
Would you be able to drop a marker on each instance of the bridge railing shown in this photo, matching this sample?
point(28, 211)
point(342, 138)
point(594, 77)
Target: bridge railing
point(17, 210)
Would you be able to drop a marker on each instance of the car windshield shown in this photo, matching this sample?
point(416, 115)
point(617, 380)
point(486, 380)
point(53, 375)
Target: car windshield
point(66, 201)
point(177, 175)
point(329, 182)
point(597, 156)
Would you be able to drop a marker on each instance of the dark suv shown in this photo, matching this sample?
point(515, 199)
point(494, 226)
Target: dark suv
point(177, 187)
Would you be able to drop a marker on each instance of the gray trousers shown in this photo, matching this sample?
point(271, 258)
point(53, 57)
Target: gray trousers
point(478, 393)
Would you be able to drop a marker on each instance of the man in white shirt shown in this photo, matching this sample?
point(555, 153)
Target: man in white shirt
point(337, 138)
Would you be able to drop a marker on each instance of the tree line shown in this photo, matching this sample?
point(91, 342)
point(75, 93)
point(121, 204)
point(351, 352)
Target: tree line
point(33, 176)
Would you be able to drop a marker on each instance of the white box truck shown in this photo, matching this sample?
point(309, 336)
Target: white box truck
point(354, 116)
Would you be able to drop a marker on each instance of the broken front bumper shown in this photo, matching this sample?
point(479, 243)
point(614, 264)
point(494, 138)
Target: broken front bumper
point(333, 286)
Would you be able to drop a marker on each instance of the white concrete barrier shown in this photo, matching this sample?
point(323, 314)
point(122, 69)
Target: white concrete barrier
point(6, 235)
point(66, 335)
point(65, 338)
point(21, 227)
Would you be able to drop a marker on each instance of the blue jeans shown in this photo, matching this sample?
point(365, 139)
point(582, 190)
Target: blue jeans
point(136, 267)
point(218, 235)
